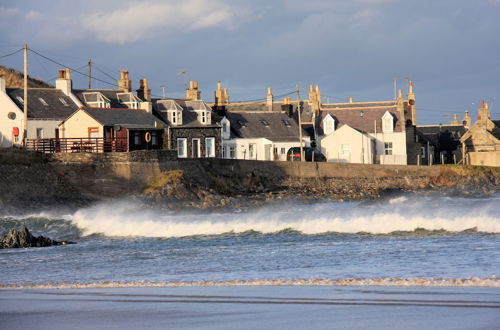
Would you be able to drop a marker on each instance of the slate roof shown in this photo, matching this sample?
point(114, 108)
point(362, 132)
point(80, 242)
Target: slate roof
point(351, 115)
point(111, 94)
point(138, 119)
point(306, 113)
point(55, 108)
point(188, 108)
point(445, 137)
point(496, 130)
point(253, 125)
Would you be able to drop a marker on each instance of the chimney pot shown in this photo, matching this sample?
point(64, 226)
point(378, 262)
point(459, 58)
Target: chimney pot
point(62, 73)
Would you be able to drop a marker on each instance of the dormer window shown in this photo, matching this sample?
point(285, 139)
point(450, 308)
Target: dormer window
point(42, 101)
point(174, 117)
point(203, 117)
point(96, 100)
point(129, 100)
point(328, 125)
point(226, 128)
point(387, 122)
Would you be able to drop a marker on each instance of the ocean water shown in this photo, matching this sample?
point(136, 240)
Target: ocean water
point(408, 240)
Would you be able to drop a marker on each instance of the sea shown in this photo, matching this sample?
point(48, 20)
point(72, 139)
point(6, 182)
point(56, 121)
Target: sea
point(402, 240)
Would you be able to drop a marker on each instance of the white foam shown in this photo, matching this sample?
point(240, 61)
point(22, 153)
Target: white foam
point(491, 282)
point(128, 218)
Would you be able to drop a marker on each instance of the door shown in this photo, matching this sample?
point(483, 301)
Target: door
point(267, 151)
point(196, 148)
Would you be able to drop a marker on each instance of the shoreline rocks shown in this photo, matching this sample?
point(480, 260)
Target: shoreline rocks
point(24, 239)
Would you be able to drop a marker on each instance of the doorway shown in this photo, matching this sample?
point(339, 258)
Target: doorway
point(195, 151)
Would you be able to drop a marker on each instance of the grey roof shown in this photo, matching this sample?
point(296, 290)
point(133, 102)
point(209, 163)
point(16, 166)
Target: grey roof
point(332, 106)
point(55, 108)
point(436, 129)
point(111, 94)
point(127, 118)
point(372, 117)
point(496, 129)
point(275, 126)
point(306, 112)
point(188, 108)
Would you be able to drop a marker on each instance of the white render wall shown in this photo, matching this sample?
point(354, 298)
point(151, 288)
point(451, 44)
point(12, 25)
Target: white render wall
point(6, 124)
point(373, 147)
point(48, 126)
point(77, 126)
point(242, 147)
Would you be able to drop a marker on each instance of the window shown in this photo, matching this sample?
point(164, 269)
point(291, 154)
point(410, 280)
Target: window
point(63, 101)
point(182, 147)
point(42, 101)
point(346, 149)
point(387, 122)
point(328, 125)
point(154, 138)
point(388, 148)
point(251, 151)
point(224, 151)
point(39, 133)
point(20, 99)
point(210, 147)
point(174, 117)
point(241, 123)
point(286, 122)
point(422, 152)
point(93, 132)
point(275, 150)
point(264, 122)
point(203, 117)
point(224, 128)
point(232, 152)
point(283, 151)
point(137, 138)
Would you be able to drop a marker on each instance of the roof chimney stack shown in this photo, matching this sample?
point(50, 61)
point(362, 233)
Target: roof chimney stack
point(144, 92)
point(64, 82)
point(124, 83)
point(192, 93)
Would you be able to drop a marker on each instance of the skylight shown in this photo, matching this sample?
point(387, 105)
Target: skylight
point(42, 101)
point(264, 122)
point(241, 123)
point(63, 101)
point(20, 99)
point(286, 123)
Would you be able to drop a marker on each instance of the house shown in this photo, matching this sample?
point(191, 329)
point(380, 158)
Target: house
point(47, 107)
point(445, 139)
point(260, 135)
point(194, 130)
point(104, 129)
point(376, 133)
point(481, 143)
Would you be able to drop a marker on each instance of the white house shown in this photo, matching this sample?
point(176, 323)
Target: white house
point(366, 133)
point(260, 135)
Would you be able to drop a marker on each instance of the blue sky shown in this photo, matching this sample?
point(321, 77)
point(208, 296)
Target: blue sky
point(449, 48)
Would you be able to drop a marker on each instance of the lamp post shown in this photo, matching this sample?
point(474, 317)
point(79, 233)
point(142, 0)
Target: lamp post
point(362, 116)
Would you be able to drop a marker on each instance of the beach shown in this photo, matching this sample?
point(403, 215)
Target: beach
point(252, 307)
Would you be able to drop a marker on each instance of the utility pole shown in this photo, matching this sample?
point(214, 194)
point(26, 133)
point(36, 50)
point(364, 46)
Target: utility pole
point(297, 91)
point(90, 73)
point(395, 91)
point(25, 103)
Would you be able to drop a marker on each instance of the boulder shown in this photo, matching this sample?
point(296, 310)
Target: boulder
point(23, 239)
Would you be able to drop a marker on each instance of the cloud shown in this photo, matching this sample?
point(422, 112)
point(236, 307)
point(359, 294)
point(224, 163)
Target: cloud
point(8, 12)
point(146, 20)
point(33, 15)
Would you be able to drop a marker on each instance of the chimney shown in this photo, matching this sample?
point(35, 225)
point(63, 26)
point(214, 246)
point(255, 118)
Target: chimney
point(467, 121)
point(124, 83)
point(144, 92)
point(221, 97)
point(483, 112)
point(192, 93)
point(315, 98)
point(2, 84)
point(411, 102)
point(269, 100)
point(350, 99)
point(455, 120)
point(64, 82)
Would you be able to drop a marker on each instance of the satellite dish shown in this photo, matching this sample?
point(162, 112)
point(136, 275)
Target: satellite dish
point(11, 115)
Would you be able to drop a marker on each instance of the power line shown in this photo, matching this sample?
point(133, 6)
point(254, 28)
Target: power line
point(13, 53)
point(72, 69)
point(103, 72)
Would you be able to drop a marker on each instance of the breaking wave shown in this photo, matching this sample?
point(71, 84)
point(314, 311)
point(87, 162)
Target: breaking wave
point(400, 215)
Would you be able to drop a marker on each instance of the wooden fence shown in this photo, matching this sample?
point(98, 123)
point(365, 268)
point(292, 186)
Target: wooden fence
point(78, 145)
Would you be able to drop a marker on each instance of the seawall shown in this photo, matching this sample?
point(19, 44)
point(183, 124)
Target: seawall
point(36, 179)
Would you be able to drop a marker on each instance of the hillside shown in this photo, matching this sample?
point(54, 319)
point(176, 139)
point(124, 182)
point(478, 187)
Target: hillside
point(14, 78)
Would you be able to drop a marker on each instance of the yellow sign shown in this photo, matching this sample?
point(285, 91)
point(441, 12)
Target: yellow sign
point(147, 137)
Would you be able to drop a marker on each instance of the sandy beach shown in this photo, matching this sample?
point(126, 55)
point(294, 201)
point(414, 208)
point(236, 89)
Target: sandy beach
point(261, 307)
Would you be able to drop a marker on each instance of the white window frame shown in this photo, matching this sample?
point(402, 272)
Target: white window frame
point(199, 147)
point(182, 152)
point(203, 117)
point(39, 133)
point(211, 152)
point(224, 152)
point(387, 122)
point(388, 148)
point(328, 125)
point(232, 152)
point(252, 150)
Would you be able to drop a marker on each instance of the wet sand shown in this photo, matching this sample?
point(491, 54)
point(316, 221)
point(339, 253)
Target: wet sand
point(252, 307)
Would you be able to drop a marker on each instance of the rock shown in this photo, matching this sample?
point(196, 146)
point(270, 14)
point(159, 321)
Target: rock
point(24, 239)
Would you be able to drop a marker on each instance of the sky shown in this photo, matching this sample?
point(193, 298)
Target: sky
point(450, 49)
